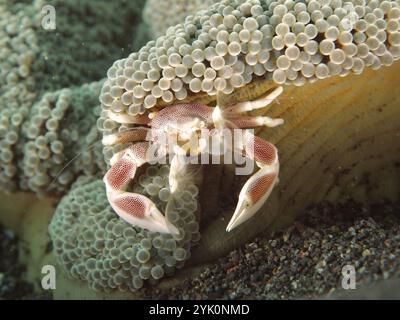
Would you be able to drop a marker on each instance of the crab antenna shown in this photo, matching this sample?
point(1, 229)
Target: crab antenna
point(68, 163)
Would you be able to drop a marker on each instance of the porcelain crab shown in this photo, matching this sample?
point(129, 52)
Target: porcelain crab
point(185, 122)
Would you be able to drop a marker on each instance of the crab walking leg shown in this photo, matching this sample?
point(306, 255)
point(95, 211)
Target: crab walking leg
point(176, 171)
point(133, 208)
point(133, 135)
point(256, 104)
point(260, 185)
point(182, 172)
point(124, 118)
point(251, 122)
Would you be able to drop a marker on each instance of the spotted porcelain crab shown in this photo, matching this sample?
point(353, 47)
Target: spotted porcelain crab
point(185, 122)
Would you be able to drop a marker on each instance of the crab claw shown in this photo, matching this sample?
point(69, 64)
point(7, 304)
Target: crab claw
point(253, 195)
point(140, 211)
point(259, 186)
point(119, 174)
point(134, 208)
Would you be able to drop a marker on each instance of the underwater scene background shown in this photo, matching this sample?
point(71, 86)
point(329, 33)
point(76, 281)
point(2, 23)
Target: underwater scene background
point(70, 70)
